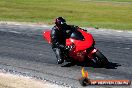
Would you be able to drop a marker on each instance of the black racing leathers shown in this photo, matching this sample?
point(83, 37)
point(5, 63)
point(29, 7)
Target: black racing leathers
point(58, 40)
point(59, 36)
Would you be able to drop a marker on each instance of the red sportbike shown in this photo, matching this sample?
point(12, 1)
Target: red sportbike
point(81, 47)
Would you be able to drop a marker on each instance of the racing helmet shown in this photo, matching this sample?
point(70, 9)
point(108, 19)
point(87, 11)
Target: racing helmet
point(60, 21)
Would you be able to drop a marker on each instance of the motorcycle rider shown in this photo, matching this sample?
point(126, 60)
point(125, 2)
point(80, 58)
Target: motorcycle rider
point(59, 33)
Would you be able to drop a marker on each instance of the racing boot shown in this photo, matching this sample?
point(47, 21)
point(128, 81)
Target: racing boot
point(60, 60)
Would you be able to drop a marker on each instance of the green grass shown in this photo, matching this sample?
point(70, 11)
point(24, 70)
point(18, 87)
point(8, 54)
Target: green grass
point(114, 0)
point(78, 12)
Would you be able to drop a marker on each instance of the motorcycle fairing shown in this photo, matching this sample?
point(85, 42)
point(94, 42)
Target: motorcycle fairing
point(81, 45)
point(46, 36)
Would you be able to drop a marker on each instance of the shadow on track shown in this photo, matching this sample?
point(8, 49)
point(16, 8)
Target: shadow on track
point(110, 65)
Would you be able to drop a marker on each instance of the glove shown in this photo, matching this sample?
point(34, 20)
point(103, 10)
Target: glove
point(69, 48)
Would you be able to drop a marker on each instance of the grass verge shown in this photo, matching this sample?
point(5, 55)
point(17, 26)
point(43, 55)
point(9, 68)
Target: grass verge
point(79, 12)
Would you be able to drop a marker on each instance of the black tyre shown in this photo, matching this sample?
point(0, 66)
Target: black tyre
point(101, 60)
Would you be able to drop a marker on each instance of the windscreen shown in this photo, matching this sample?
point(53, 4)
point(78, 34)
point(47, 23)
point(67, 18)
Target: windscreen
point(77, 35)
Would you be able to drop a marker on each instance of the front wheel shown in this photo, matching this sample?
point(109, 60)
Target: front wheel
point(101, 60)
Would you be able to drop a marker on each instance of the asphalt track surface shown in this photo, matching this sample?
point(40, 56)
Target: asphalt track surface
point(24, 51)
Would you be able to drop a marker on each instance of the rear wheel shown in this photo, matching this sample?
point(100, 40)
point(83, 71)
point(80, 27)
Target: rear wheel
point(101, 60)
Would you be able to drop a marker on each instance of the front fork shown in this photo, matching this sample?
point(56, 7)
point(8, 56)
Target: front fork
point(91, 53)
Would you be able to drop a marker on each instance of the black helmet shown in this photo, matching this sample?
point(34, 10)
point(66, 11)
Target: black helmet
point(60, 21)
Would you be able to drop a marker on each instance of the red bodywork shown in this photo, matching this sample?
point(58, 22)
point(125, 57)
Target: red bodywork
point(80, 50)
